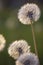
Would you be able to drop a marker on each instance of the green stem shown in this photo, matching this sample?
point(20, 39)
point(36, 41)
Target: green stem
point(34, 40)
point(35, 46)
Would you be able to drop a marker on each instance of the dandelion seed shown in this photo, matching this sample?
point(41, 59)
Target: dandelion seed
point(27, 59)
point(17, 48)
point(29, 12)
point(2, 42)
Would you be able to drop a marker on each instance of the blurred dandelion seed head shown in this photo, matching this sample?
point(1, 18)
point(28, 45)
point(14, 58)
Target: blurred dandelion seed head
point(17, 48)
point(2, 42)
point(27, 59)
point(28, 12)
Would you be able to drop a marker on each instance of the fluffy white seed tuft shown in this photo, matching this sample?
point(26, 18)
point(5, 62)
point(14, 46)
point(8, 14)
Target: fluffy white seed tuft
point(29, 12)
point(2, 42)
point(27, 59)
point(17, 48)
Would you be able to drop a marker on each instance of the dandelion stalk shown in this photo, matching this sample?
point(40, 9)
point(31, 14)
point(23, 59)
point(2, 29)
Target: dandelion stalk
point(35, 46)
point(34, 40)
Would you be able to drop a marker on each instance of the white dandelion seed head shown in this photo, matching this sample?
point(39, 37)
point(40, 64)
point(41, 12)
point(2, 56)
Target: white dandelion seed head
point(28, 12)
point(2, 42)
point(27, 59)
point(17, 48)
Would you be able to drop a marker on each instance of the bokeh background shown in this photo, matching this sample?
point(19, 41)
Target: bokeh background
point(13, 30)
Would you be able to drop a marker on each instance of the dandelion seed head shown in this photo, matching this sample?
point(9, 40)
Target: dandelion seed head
point(27, 59)
point(17, 48)
point(2, 42)
point(28, 12)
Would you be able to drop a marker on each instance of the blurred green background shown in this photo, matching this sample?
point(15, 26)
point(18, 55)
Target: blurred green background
point(19, 31)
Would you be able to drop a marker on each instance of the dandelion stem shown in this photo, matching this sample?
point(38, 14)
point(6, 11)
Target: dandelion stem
point(35, 46)
point(34, 40)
